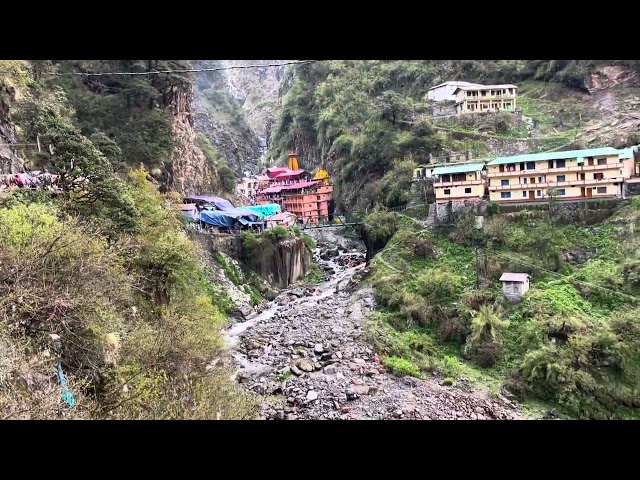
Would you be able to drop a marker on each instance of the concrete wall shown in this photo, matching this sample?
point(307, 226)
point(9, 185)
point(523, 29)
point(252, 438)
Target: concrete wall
point(441, 108)
point(458, 192)
point(442, 93)
point(603, 190)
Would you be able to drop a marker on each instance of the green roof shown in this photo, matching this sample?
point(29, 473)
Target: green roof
point(469, 167)
point(627, 152)
point(541, 157)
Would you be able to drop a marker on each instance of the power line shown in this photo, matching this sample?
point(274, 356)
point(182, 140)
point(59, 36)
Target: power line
point(187, 70)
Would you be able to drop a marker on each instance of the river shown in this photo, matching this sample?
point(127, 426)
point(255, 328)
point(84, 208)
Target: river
point(306, 356)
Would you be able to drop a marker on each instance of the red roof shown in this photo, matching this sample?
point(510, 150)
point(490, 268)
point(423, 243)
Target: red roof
point(292, 186)
point(289, 173)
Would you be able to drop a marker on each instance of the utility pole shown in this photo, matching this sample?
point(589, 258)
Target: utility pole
point(477, 267)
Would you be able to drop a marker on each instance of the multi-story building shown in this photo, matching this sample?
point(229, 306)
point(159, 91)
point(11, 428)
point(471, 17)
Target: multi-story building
point(485, 98)
point(247, 186)
point(295, 191)
point(576, 174)
point(459, 182)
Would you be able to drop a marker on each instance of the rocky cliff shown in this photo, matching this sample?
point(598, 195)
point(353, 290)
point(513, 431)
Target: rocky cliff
point(234, 109)
point(9, 161)
point(191, 172)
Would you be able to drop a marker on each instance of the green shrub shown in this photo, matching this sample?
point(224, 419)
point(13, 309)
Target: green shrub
point(400, 366)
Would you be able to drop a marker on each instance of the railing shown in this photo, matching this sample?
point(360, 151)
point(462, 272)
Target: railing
point(457, 183)
point(533, 186)
point(537, 171)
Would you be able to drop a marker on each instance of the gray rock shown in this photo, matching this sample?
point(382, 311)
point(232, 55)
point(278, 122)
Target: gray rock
point(312, 395)
point(305, 366)
point(296, 370)
point(330, 370)
point(297, 292)
point(361, 389)
point(318, 348)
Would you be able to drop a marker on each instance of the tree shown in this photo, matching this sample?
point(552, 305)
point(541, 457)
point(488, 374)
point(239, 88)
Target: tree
point(552, 196)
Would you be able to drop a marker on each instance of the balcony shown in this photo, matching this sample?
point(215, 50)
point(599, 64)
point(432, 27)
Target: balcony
point(544, 185)
point(491, 97)
point(458, 183)
point(542, 171)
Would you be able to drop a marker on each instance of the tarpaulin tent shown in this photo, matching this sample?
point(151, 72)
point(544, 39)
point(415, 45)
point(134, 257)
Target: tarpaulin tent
point(190, 211)
point(218, 202)
point(217, 218)
point(265, 210)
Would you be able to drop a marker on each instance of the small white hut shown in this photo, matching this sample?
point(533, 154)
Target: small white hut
point(514, 285)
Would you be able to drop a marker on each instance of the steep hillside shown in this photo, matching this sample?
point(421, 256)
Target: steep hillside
point(362, 117)
point(106, 309)
point(234, 110)
point(573, 341)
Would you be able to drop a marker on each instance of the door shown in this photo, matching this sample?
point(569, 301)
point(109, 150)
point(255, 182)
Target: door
point(582, 192)
point(591, 162)
point(533, 179)
point(589, 192)
point(532, 194)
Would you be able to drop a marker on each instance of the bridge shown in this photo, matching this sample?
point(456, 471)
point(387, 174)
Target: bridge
point(335, 220)
point(340, 219)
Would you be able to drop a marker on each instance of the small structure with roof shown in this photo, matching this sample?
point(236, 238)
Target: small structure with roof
point(514, 285)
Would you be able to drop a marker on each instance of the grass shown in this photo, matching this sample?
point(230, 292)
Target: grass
point(408, 330)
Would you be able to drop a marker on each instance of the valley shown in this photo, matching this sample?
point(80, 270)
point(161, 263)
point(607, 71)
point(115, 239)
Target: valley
point(157, 260)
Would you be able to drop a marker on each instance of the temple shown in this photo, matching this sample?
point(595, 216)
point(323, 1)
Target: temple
point(296, 191)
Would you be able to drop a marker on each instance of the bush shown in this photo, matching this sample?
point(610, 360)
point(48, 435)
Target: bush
point(400, 366)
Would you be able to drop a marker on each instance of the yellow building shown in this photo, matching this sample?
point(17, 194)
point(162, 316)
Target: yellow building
point(485, 98)
point(458, 182)
point(576, 174)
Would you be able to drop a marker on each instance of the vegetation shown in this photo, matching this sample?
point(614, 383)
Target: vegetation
point(105, 265)
point(571, 341)
point(368, 117)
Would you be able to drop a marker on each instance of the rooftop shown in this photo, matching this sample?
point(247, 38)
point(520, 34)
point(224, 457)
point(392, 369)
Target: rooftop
point(540, 157)
point(514, 277)
point(457, 84)
point(486, 87)
point(462, 168)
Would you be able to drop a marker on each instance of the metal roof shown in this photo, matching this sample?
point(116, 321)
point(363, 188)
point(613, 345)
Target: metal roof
point(485, 87)
point(457, 84)
point(627, 152)
point(514, 277)
point(540, 157)
point(469, 167)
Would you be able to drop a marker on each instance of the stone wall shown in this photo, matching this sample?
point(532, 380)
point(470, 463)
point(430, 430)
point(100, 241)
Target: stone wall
point(441, 109)
point(443, 213)
point(587, 212)
point(631, 189)
point(226, 243)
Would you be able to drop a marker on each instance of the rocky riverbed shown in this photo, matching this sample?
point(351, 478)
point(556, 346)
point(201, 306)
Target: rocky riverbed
point(307, 358)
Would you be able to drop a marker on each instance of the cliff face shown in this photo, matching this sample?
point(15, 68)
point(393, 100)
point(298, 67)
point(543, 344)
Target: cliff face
point(234, 109)
point(191, 173)
point(9, 162)
point(287, 262)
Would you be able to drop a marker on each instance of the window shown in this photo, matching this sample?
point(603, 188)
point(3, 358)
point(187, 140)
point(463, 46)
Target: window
point(531, 165)
point(598, 176)
point(602, 190)
point(524, 180)
point(560, 178)
point(560, 163)
point(602, 161)
point(561, 191)
point(505, 194)
point(524, 194)
point(504, 182)
point(538, 193)
point(539, 179)
point(467, 190)
point(447, 191)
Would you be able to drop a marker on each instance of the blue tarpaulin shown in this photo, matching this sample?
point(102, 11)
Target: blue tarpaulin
point(219, 202)
point(217, 218)
point(264, 210)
